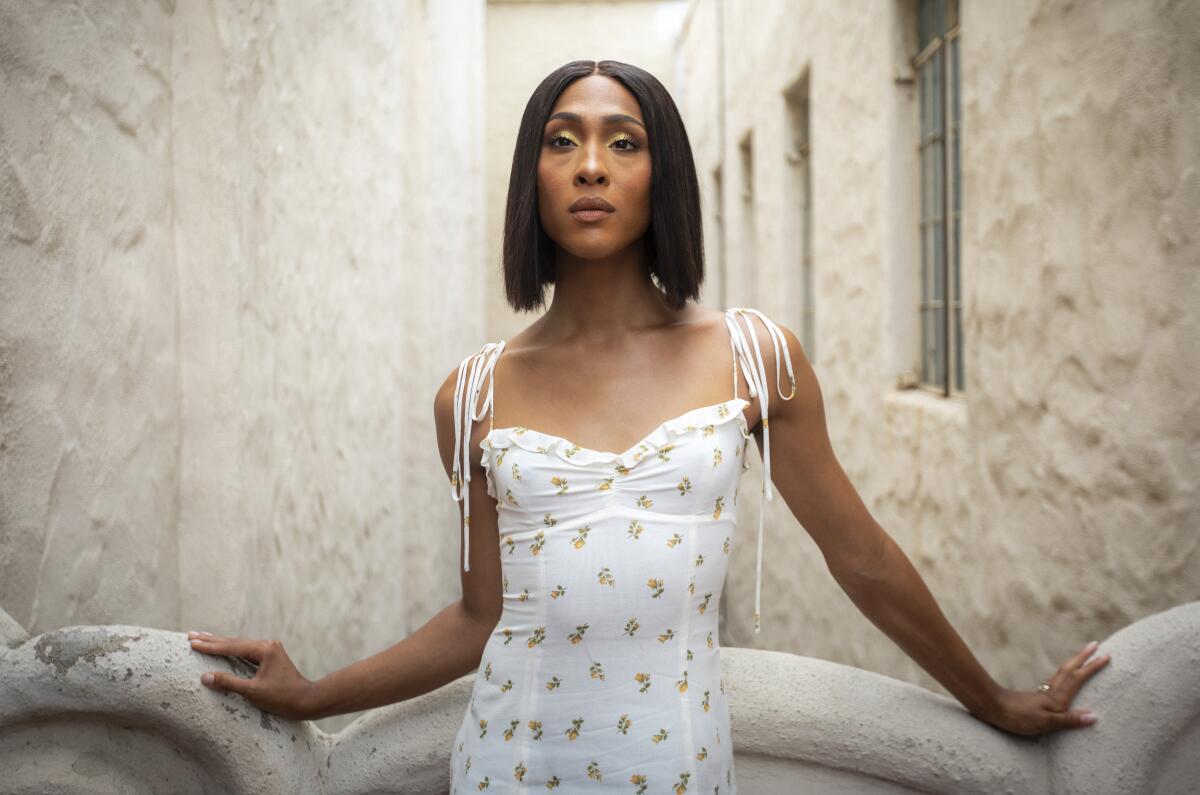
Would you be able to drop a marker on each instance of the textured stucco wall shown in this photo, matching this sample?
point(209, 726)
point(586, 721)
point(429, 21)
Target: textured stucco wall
point(1058, 500)
point(236, 240)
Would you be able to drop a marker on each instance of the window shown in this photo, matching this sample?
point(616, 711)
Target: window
point(718, 216)
point(748, 241)
point(936, 66)
point(798, 184)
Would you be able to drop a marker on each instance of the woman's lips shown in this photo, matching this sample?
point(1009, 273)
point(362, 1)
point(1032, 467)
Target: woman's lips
point(591, 215)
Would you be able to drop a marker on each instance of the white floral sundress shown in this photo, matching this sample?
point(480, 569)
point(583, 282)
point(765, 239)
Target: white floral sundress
point(603, 673)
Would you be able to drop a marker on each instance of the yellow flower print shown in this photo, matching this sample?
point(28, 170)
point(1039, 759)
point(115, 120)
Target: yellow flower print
point(721, 682)
point(510, 543)
point(704, 703)
point(700, 559)
point(606, 577)
point(511, 499)
point(720, 505)
point(549, 520)
point(485, 783)
point(718, 457)
point(511, 730)
point(573, 732)
point(597, 671)
point(684, 486)
point(524, 595)
point(658, 738)
point(518, 430)
point(606, 484)
point(621, 469)
point(519, 771)
point(690, 656)
point(500, 458)
point(467, 766)
point(681, 784)
point(593, 771)
point(666, 448)
point(540, 448)
point(539, 634)
point(579, 540)
point(708, 430)
point(674, 540)
point(572, 450)
point(539, 541)
point(516, 471)
point(631, 626)
point(561, 483)
point(535, 726)
point(508, 685)
point(722, 411)
point(557, 592)
point(482, 727)
point(577, 635)
point(704, 602)
point(666, 636)
point(635, 529)
point(726, 547)
point(553, 683)
point(710, 640)
point(644, 678)
point(703, 753)
point(508, 636)
point(689, 427)
point(506, 583)
point(682, 683)
point(642, 449)
point(692, 585)
point(656, 587)
point(623, 723)
point(644, 501)
point(552, 782)
point(640, 781)
point(487, 671)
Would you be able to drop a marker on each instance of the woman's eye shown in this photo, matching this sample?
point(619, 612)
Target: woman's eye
point(631, 143)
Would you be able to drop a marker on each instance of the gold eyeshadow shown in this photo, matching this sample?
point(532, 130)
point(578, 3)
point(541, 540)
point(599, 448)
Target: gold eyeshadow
point(570, 137)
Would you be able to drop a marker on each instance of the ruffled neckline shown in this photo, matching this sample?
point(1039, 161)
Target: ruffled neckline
point(662, 436)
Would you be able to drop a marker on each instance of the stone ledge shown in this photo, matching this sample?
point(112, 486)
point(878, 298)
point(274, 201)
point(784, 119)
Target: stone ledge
point(121, 709)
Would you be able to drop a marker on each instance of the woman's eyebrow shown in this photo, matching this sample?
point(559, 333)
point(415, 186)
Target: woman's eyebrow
point(612, 118)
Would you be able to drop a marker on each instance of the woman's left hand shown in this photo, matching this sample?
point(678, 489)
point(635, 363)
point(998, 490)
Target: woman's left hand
point(1034, 712)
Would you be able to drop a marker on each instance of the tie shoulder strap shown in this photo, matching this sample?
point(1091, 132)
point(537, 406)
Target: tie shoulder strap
point(748, 355)
point(471, 374)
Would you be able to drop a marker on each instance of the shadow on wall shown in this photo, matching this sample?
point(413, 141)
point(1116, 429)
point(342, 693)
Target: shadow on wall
point(121, 709)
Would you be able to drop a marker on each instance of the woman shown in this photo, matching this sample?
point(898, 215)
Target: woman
point(590, 577)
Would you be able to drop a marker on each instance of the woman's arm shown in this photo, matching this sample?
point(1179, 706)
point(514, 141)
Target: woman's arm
point(875, 572)
point(446, 647)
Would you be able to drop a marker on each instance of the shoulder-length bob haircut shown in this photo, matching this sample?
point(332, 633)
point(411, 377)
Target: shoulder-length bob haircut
point(674, 239)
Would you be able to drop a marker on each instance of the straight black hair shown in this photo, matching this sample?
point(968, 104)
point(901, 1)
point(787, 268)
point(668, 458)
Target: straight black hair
point(674, 239)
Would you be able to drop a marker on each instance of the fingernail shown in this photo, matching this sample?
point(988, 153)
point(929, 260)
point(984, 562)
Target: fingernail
point(207, 679)
point(1093, 644)
point(1088, 718)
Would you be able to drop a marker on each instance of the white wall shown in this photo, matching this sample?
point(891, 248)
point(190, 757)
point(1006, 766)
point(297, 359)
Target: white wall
point(236, 249)
point(1058, 500)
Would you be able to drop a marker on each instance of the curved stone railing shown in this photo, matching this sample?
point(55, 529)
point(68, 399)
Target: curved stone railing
point(121, 709)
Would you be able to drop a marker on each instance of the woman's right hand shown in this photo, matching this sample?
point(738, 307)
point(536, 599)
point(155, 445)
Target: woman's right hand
point(277, 687)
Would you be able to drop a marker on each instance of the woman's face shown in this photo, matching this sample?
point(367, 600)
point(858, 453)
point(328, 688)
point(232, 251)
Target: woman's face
point(594, 145)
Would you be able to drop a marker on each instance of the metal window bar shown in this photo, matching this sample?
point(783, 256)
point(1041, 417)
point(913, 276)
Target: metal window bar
point(940, 229)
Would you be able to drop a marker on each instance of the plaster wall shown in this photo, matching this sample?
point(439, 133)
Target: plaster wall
point(227, 231)
point(1057, 498)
